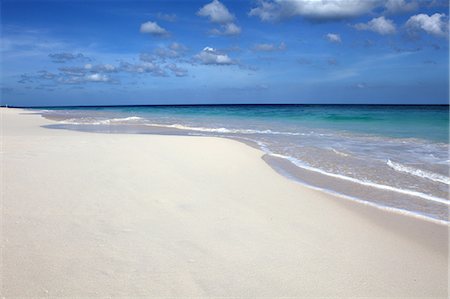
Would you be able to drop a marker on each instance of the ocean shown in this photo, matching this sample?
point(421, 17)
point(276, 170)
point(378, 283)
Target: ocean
point(391, 157)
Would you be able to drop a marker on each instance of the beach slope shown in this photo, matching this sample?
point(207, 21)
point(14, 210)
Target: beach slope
point(90, 215)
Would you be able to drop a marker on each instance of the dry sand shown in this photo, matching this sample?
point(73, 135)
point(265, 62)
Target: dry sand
point(98, 215)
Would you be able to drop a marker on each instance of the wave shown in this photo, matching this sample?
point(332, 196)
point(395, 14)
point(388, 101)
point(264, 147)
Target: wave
point(303, 165)
point(77, 121)
point(379, 206)
point(225, 130)
point(419, 172)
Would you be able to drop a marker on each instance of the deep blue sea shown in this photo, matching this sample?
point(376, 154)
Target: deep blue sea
point(391, 157)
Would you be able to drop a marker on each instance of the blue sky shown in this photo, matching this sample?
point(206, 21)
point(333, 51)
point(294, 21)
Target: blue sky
point(184, 52)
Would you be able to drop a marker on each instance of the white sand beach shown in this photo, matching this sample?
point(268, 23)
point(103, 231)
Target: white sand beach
point(117, 215)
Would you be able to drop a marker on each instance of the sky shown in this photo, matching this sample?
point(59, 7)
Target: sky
point(208, 52)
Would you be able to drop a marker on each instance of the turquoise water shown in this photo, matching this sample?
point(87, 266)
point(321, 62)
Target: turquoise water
point(427, 122)
point(389, 156)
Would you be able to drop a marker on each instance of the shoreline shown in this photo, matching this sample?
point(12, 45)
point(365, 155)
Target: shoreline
point(268, 159)
point(284, 166)
point(167, 215)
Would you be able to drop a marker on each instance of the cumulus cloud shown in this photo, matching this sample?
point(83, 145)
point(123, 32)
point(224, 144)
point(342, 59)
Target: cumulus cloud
point(379, 25)
point(211, 56)
point(65, 57)
point(227, 29)
point(269, 47)
point(396, 6)
point(268, 10)
point(218, 13)
point(436, 24)
point(333, 38)
point(153, 28)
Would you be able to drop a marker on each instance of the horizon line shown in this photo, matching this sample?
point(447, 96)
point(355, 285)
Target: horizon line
point(220, 104)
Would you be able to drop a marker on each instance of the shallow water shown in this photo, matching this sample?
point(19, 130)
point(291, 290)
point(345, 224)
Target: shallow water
point(392, 156)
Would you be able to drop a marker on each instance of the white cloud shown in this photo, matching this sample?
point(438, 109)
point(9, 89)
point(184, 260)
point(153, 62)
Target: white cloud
point(268, 10)
point(211, 56)
point(269, 47)
point(436, 24)
point(227, 29)
point(232, 29)
point(333, 38)
point(88, 78)
point(217, 12)
point(379, 25)
point(153, 28)
point(97, 78)
point(395, 6)
point(102, 68)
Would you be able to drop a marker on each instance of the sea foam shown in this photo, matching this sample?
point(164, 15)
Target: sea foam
point(419, 172)
point(303, 165)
